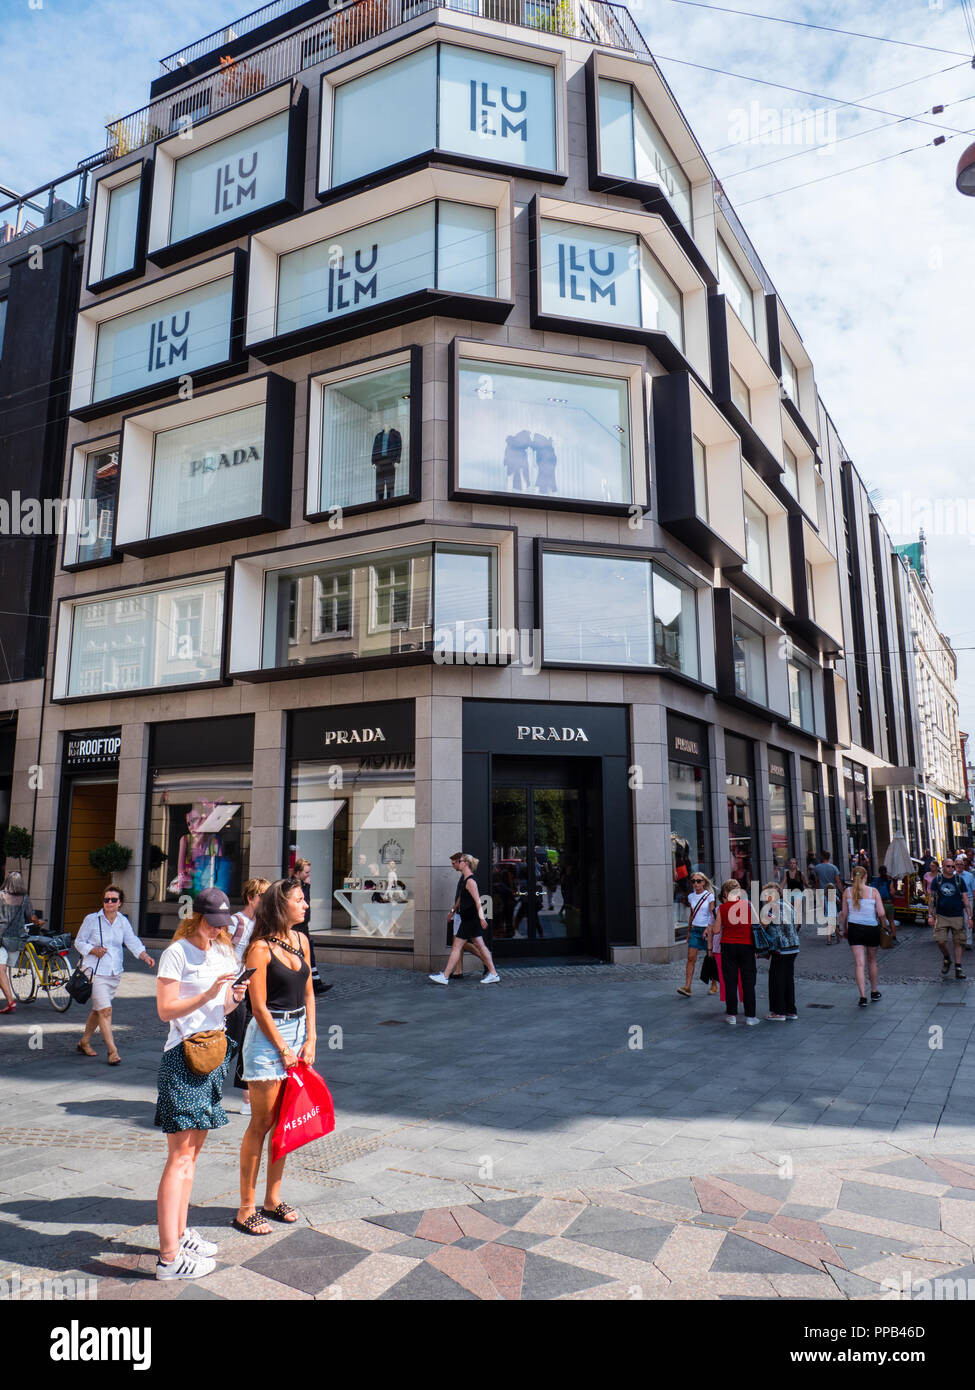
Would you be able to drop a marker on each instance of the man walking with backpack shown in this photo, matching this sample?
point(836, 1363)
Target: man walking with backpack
point(949, 913)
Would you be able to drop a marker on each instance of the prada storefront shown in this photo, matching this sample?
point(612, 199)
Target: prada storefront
point(352, 815)
point(547, 812)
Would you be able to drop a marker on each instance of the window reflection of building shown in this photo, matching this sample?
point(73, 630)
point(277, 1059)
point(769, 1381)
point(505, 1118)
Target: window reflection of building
point(100, 495)
point(389, 603)
point(147, 639)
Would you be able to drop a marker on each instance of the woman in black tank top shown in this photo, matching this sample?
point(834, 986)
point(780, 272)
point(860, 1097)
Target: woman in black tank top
point(468, 922)
point(281, 1032)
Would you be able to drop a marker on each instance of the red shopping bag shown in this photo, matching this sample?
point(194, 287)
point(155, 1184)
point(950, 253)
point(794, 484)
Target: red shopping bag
point(306, 1111)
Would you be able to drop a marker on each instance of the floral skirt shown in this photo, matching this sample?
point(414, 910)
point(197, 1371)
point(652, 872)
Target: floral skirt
point(188, 1101)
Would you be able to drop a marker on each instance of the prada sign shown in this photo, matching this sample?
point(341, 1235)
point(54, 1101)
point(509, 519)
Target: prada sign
point(92, 748)
point(502, 727)
point(538, 733)
point(209, 472)
point(378, 730)
point(688, 741)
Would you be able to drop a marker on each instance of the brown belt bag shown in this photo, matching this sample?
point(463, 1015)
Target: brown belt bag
point(205, 1051)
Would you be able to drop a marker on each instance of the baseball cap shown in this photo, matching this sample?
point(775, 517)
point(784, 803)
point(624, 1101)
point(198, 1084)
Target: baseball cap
point(213, 905)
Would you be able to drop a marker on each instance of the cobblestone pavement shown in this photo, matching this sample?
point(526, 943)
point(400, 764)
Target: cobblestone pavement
point(576, 1132)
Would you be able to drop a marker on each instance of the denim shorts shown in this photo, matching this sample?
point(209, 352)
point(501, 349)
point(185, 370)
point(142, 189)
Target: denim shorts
point(262, 1060)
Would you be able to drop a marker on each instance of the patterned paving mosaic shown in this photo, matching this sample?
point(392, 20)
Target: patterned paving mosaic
point(847, 1231)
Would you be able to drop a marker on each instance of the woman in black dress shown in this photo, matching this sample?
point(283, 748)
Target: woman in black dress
point(468, 921)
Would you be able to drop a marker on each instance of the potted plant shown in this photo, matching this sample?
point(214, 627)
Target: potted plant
point(157, 858)
point(360, 22)
point(110, 859)
point(237, 80)
point(18, 843)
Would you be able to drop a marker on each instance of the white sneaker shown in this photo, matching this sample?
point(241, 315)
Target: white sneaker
point(751, 1022)
point(196, 1245)
point(440, 979)
point(185, 1266)
point(730, 1020)
point(493, 979)
point(245, 1107)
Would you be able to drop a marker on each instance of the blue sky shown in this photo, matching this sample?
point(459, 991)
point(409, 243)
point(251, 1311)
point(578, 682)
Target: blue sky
point(876, 267)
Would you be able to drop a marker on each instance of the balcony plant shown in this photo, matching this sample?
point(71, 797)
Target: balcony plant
point(554, 19)
point(110, 859)
point(359, 22)
point(238, 80)
point(18, 843)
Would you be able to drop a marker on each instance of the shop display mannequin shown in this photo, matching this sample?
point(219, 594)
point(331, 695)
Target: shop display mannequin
point(387, 450)
point(516, 448)
point(546, 462)
point(201, 861)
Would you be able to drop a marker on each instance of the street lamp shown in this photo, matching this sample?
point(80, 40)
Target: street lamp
point(965, 175)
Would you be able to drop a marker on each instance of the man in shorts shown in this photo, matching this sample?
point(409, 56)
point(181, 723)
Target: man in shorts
point(950, 914)
point(963, 872)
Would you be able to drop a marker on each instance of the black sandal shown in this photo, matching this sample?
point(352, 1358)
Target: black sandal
point(248, 1226)
point(280, 1213)
point(875, 995)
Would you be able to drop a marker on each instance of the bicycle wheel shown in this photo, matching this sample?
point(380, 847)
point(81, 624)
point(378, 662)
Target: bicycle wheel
point(56, 977)
point(23, 981)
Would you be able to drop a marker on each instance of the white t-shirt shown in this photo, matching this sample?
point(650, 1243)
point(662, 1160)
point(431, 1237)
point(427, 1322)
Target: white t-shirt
point(196, 971)
point(245, 925)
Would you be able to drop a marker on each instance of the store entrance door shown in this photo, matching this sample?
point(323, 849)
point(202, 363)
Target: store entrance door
point(546, 866)
point(91, 823)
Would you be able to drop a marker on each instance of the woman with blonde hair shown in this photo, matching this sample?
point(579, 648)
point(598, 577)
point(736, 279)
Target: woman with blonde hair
point(467, 919)
point(194, 994)
point(735, 920)
point(16, 912)
point(700, 901)
point(861, 918)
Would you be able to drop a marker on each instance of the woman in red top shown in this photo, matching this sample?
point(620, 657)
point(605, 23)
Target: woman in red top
point(735, 919)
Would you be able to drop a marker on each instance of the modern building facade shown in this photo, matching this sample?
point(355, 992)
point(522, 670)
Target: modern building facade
point(940, 750)
point(460, 481)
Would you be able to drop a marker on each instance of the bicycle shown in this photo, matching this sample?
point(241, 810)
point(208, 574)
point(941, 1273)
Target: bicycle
point(42, 965)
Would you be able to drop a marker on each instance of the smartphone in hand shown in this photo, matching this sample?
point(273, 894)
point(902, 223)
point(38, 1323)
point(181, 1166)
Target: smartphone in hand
point(242, 978)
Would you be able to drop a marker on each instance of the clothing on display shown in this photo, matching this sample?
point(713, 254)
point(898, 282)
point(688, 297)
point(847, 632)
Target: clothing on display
point(387, 450)
point(523, 449)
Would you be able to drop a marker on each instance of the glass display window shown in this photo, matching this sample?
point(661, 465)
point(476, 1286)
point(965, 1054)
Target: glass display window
point(407, 600)
point(689, 833)
point(733, 284)
point(209, 472)
point(142, 639)
point(437, 245)
point(199, 836)
point(632, 146)
point(616, 611)
point(164, 340)
point(354, 819)
point(758, 562)
point(365, 438)
point(230, 177)
point(543, 433)
point(121, 229)
point(749, 657)
point(488, 106)
point(99, 499)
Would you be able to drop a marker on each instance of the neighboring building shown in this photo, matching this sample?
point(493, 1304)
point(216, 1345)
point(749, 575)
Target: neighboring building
point(40, 280)
point(940, 761)
point(460, 481)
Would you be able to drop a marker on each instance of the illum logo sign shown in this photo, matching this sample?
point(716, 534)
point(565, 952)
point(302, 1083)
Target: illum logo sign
point(490, 108)
point(232, 187)
point(345, 289)
point(168, 342)
point(582, 276)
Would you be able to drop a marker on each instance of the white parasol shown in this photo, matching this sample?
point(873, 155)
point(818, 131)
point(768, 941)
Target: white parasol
point(898, 860)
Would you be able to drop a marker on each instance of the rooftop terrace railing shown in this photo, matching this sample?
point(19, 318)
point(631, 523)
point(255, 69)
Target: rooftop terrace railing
point(237, 29)
point(51, 202)
point(597, 21)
